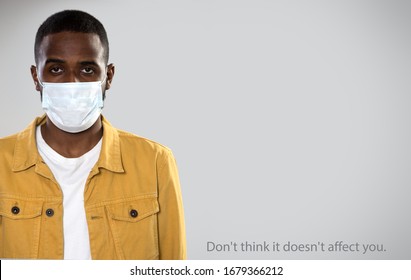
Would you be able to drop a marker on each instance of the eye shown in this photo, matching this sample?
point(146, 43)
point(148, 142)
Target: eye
point(87, 70)
point(56, 70)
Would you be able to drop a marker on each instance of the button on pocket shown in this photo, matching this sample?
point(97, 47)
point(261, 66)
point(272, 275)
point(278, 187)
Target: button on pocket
point(15, 210)
point(20, 227)
point(133, 213)
point(133, 224)
point(50, 212)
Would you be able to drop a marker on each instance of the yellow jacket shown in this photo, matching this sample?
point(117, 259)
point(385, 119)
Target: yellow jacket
point(132, 200)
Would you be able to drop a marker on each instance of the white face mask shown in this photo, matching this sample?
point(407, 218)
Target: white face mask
point(73, 107)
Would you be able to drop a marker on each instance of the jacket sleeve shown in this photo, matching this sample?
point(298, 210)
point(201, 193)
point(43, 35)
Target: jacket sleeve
point(171, 227)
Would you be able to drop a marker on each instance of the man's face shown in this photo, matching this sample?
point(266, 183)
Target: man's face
point(72, 57)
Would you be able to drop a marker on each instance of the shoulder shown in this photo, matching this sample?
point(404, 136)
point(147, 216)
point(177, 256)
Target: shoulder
point(7, 148)
point(132, 141)
point(21, 144)
point(9, 138)
point(8, 142)
point(128, 138)
point(133, 148)
point(27, 135)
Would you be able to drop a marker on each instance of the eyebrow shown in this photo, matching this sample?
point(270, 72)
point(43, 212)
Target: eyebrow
point(54, 60)
point(89, 63)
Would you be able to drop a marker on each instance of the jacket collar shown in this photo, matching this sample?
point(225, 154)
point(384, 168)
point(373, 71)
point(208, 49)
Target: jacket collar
point(110, 155)
point(26, 154)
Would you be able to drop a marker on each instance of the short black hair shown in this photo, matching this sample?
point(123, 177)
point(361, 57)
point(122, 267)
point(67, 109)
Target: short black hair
point(72, 21)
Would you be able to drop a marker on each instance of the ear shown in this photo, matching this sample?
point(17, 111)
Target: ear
point(110, 75)
point(33, 70)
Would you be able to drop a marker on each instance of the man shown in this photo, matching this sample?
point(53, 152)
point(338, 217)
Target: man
point(71, 185)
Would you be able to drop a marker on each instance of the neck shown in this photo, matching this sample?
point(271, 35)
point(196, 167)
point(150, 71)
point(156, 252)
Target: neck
point(72, 145)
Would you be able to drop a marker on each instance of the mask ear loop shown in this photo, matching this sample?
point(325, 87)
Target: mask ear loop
point(103, 95)
point(105, 77)
point(102, 81)
point(104, 91)
point(40, 82)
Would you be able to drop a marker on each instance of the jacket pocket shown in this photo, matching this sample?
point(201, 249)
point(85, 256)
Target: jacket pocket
point(20, 221)
point(133, 225)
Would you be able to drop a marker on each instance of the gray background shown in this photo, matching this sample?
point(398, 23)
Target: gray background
point(289, 120)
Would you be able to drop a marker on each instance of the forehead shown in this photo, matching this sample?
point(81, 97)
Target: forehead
point(71, 45)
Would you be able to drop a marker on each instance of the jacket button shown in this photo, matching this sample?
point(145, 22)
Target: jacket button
point(15, 210)
point(133, 213)
point(50, 212)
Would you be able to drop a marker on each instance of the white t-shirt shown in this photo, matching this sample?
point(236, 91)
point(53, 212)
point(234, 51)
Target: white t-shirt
point(71, 174)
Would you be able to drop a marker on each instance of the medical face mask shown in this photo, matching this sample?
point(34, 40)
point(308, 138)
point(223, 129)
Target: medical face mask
point(72, 107)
